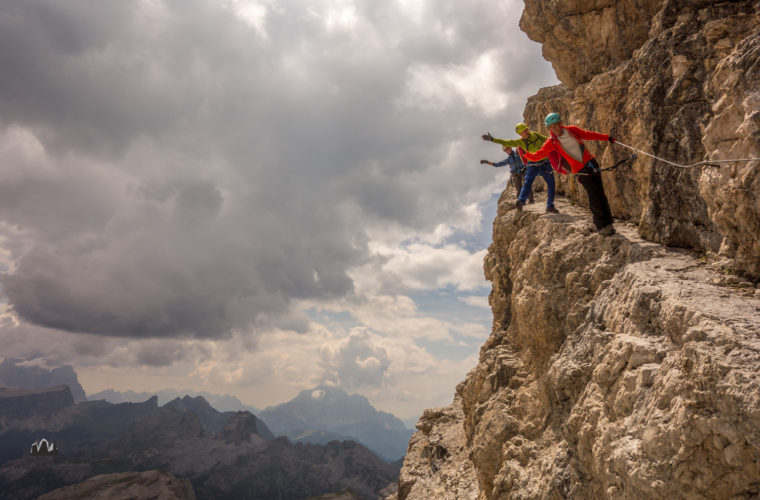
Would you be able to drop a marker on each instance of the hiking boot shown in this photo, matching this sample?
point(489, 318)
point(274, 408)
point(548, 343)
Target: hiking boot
point(608, 230)
point(518, 205)
point(552, 210)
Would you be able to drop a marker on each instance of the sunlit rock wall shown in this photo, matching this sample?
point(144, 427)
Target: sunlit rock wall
point(623, 367)
point(679, 79)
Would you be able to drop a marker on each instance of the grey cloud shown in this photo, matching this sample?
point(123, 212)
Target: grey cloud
point(25, 341)
point(195, 177)
point(355, 362)
point(160, 353)
point(90, 346)
point(68, 73)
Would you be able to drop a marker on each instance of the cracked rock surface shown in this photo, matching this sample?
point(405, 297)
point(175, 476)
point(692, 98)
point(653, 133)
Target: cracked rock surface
point(679, 79)
point(616, 368)
point(623, 367)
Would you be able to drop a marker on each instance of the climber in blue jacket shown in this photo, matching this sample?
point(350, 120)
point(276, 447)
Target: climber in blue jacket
point(516, 169)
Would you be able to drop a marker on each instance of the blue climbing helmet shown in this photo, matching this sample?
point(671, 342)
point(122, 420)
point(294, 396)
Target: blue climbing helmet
point(552, 118)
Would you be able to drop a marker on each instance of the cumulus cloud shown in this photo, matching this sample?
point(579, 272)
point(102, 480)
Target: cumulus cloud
point(437, 87)
point(425, 267)
point(355, 361)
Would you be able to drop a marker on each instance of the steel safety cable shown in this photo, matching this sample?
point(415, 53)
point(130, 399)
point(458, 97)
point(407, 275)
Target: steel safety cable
point(703, 162)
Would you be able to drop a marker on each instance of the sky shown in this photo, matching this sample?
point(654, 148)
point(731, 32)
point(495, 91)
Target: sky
point(255, 197)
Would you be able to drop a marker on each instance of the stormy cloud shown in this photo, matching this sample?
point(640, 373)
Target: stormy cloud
point(193, 168)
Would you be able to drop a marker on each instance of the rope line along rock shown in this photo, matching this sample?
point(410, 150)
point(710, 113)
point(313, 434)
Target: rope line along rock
point(703, 162)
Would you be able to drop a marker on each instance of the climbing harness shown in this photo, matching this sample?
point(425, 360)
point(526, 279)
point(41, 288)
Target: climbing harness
point(613, 167)
point(616, 165)
point(703, 162)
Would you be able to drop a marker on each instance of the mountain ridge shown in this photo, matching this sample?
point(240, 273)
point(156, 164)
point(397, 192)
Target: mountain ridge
point(220, 402)
point(181, 438)
point(332, 412)
point(13, 373)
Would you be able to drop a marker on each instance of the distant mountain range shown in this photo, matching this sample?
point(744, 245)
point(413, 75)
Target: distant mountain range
point(214, 421)
point(333, 416)
point(20, 374)
point(223, 454)
point(318, 416)
point(222, 402)
point(327, 413)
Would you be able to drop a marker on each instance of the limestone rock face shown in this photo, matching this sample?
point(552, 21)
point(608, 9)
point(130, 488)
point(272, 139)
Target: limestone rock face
point(437, 464)
point(616, 368)
point(582, 38)
point(676, 78)
point(620, 367)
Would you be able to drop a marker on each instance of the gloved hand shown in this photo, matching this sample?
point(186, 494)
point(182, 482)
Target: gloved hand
point(487, 137)
point(484, 162)
point(611, 139)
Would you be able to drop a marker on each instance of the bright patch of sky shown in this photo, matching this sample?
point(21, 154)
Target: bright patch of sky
point(430, 87)
point(251, 12)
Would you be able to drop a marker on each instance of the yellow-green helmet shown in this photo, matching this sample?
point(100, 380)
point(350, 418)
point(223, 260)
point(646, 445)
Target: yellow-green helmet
point(520, 127)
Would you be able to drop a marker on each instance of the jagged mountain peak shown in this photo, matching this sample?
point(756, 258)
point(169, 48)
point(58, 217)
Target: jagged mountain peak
point(23, 374)
point(213, 420)
point(220, 402)
point(329, 403)
point(240, 427)
point(326, 394)
point(324, 413)
point(187, 402)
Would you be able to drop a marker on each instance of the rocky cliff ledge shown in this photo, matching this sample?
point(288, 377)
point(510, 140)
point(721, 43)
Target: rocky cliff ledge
point(676, 78)
point(617, 368)
point(623, 367)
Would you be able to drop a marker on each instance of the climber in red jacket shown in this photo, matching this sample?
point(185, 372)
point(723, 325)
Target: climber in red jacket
point(568, 142)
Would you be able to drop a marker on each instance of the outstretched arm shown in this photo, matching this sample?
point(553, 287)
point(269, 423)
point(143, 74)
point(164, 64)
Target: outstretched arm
point(512, 143)
point(541, 153)
point(588, 135)
point(500, 164)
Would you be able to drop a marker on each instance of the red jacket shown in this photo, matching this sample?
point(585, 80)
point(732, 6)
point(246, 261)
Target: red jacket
point(552, 144)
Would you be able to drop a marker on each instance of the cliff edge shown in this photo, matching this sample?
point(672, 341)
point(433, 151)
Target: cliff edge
point(623, 367)
point(617, 368)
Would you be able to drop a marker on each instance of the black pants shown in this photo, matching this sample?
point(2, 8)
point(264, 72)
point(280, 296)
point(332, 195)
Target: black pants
point(597, 201)
point(517, 180)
